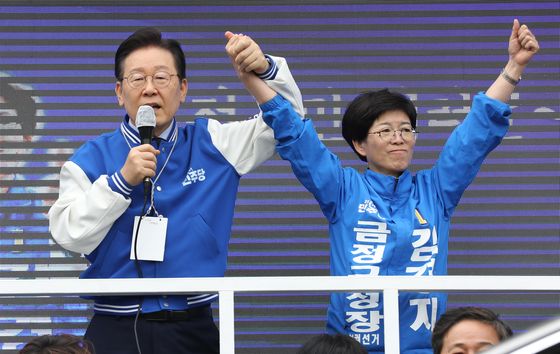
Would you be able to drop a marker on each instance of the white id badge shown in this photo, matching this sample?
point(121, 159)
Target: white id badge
point(151, 238)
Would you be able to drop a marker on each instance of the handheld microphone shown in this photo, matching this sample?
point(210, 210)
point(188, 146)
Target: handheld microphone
point(145, 122)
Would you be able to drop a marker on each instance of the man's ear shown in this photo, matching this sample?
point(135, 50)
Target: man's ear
point(184, 89)
point(118, 92)
point(359, 147)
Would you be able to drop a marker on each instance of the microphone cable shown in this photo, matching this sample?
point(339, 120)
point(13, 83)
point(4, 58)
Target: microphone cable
point(139, 269)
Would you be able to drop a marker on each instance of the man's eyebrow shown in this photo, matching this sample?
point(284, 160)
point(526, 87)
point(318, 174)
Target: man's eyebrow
point(142, 69)
point(455, 346)
point(461, 344)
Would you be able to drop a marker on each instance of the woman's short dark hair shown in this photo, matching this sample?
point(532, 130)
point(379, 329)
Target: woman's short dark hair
point(332, 344)
point(58, 344)
point(362, 112)
point(454, 316)
point(149, 37)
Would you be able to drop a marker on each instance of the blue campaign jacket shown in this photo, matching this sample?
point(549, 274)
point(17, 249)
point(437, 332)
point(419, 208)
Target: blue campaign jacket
point(197, 236)
point(198, 172)
point(381, 225)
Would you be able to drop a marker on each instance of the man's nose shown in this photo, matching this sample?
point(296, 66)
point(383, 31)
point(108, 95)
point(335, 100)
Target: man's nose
point(149, 87)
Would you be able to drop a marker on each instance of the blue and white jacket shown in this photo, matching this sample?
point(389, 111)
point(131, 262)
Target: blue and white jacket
point(381, 225)
point(196, 191)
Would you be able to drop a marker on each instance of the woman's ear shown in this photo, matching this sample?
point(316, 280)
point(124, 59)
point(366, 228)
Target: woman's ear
point(359, 147)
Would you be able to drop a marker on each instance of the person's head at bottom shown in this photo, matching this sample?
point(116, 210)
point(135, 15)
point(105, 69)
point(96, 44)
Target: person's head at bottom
point(468, 330)
point(332, 344)
point(58, 344)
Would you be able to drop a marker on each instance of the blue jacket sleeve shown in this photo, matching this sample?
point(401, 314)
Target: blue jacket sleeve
point(319, 170)
point(466, 148)
point(284, 121)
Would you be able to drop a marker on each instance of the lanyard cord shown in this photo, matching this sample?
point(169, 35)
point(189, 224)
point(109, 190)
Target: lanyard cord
point(152, 205)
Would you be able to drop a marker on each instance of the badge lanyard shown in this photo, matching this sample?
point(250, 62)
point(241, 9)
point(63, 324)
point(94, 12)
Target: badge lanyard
point(153, 230)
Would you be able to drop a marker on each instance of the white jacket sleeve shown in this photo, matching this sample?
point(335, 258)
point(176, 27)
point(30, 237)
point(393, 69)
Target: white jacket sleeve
point(84, 212)
point(247, 144)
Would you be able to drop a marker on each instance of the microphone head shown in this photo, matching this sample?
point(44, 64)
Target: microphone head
point(145, 117)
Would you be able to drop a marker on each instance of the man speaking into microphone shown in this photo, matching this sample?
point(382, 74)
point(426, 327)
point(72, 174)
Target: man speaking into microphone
point(191, 170)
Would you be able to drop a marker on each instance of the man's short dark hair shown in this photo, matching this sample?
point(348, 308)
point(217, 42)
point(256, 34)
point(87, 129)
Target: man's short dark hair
point(332, 344)
point(58, 344)
point(362, 112)
point(149, 37)
point(454, 316)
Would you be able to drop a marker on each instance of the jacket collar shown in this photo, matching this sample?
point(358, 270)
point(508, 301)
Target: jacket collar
point(389, 186)
point(131, 134)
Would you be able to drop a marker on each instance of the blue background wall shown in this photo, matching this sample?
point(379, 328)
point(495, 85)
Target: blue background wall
point(56, 77)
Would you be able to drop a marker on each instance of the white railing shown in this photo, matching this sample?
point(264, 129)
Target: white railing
point(227, 287)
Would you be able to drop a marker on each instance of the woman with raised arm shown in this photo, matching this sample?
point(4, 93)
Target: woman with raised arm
point(387, 221)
